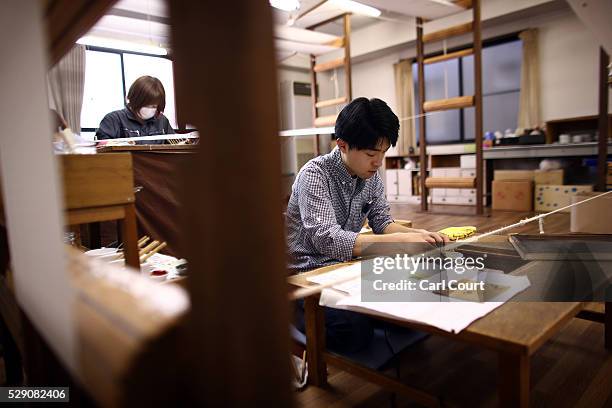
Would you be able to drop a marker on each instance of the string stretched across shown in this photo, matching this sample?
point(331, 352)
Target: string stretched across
point(305, 292)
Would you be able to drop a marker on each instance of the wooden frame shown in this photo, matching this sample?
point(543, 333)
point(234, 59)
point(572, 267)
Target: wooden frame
point(514, 342)
point(101, 188)
point(604, 122)
point(521, 244)
point(452, 103)
point(217, 210)
point(344, 61)
point(515, 331)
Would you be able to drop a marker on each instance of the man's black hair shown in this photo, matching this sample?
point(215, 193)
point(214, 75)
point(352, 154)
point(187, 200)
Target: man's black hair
point(363, 123)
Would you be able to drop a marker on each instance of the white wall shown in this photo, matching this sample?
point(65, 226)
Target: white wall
point(569, 69)
point(375, 79)
point(284, 74)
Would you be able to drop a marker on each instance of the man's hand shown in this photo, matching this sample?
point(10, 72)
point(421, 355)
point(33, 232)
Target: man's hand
point(431, 237)
point(421, 240)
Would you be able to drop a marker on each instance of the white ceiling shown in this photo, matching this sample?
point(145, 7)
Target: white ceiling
point(146, 21)
point(429, 9)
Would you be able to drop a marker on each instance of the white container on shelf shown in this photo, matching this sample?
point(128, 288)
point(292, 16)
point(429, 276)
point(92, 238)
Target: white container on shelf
point(467, 161)
point(468, 172)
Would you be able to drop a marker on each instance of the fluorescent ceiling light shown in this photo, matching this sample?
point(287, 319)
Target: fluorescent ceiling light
point(286, 5)
point(122, 45)
point(355, 7)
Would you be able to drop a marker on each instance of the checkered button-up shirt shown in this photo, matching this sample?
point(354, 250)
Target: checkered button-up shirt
point(326, 211)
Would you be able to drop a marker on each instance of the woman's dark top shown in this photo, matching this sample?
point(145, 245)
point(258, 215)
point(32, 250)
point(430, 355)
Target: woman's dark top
point(123, 123)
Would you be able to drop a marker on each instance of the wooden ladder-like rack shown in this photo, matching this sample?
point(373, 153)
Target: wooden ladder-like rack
point(344, 62)
point(452, 103)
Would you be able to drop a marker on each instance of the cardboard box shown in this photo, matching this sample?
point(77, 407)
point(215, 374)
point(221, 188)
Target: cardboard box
point(513, 195)
point(592, 217)
point(513, 175)
point(548, 177)
point(552, 197)
point(467, 161)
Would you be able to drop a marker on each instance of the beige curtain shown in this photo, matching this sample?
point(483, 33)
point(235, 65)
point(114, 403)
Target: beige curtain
point(66, 85)
point(529, 103)
point(405, 105)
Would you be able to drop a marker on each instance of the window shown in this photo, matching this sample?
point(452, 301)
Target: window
point(501, 76)
point(136, 66)
point(103, 91)
point(108, 77)
point(442, 126)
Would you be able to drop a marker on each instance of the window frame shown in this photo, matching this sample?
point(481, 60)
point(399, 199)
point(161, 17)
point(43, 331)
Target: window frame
point(121, 52)
point(491, 42)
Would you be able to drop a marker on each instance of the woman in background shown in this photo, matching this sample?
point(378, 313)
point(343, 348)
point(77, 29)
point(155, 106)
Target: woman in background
point(142, 116)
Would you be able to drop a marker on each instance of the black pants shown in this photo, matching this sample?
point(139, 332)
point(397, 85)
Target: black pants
point(345, 331)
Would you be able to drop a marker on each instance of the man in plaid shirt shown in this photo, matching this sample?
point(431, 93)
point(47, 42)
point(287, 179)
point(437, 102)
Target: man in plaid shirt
point(332, 197)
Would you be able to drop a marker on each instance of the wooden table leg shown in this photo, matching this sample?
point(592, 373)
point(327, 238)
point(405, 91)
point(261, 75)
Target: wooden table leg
point(130, 237)
point(95, 240)
point(315, 341)
point(608, 325)
point(513, 377)
point(12, 357)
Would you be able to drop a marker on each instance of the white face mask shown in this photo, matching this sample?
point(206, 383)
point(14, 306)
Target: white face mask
point(147, 113)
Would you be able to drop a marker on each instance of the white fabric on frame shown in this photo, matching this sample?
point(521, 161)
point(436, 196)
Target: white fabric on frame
point(529, 101)
point(404, 96)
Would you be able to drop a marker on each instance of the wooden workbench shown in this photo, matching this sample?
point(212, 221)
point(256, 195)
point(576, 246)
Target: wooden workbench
point(515, 331)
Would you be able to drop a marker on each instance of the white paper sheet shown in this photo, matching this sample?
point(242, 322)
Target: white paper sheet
point(352, 286)
point(452, 315)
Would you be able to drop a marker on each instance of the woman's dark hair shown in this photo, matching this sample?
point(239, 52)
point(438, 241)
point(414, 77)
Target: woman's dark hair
point(146, 90)
point(364, 123)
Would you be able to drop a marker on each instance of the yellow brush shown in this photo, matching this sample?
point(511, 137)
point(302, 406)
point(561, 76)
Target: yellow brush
point(455, 233)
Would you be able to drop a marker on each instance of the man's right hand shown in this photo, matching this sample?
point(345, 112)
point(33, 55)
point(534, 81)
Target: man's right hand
point(398, 242)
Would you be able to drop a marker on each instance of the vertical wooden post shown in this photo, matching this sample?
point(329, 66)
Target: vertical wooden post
point(348, 84)
point(514, 373)
point(478, 104)
point(421, 101)
point(238, 327)
point(315, 341)
point(608, 325)
point(313, 96)
point(602, 151)
point(130, 237)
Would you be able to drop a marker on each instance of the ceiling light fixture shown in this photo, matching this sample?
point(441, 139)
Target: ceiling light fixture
point(285, 5)
point(356, 7)
point(122, 45)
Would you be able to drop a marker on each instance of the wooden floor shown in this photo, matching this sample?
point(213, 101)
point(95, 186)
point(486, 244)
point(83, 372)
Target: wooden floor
point(572, 370)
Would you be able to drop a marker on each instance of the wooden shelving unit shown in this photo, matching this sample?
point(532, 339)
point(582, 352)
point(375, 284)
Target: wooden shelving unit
point(452, 103)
